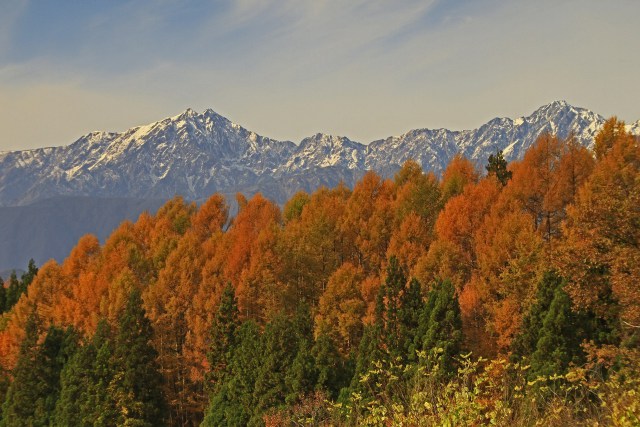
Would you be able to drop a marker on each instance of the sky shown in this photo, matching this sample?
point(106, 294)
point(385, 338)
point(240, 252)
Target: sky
point(287, 69)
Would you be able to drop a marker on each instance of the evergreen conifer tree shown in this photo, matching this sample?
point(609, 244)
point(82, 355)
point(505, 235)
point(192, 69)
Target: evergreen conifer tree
point(32, 396)
point(233, 402)
point(497, 166)
point(3, 297)
point(552, 332)
point(23, 393)
point(301, 375)
point(371, 350)
point(393, 287)
point(13, 291)
point(75, 381)
point(136, 384)
point(439, 331)
point(223, 338)
point(525, 343)
point(559, 338)
point(409, 316)
point(28, 276)
point(332, 372)
point(280, 347)
point(98, 404)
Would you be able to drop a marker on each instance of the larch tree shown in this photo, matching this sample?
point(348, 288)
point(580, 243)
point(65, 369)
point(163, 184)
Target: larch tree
point(509, 265)
point(457, 175)
point(417, 204)
point(600, 256)
point(342, 308)
point(367, 222)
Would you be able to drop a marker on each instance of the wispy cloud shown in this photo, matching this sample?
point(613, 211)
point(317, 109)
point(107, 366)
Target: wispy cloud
point(10, 12)
point(288, 68)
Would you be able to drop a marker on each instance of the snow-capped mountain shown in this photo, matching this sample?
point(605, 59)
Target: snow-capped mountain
point(634, 128)
point(49, 197)
point(434, 148)
point(196, 155)
point(190, 154)
point(321, 151)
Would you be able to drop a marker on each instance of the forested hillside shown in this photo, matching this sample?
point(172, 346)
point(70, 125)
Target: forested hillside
point(508, 297)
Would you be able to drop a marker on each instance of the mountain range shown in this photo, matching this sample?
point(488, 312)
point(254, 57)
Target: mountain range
point(196, 154)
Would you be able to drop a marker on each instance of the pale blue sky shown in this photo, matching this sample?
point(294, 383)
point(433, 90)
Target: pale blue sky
point(366, 69)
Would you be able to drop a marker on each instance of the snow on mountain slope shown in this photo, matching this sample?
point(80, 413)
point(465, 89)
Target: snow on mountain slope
point(321, 150)
point(196, 154)
point(634, 128)
point(434, 148)
point(190, 154)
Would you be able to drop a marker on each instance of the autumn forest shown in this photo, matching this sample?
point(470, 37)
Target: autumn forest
point(504, 294)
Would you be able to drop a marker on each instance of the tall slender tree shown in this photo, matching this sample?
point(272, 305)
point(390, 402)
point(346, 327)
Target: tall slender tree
point(136, 385)
point(98, 405)
point(280, 346)
point(233, 403)
point(223, 338)
point(497, 166)
point(439, 332)
point(3, 297)
point(32, 396)
point(75, 381)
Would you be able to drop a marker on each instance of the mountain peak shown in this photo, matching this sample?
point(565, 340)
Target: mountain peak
point(555, 110)
point(186, 114)
point(322, 139)
point(554, 106)
point(196, 154)
point(559, 103)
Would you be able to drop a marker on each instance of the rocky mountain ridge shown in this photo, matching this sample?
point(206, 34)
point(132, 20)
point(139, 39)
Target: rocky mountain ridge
point(196, 154)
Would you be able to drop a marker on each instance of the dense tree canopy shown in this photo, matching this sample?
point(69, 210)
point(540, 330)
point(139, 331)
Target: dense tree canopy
point(348, 307)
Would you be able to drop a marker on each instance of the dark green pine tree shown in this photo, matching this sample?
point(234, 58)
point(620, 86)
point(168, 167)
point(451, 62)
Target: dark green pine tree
point(28, 276)
point(3, 297)
point(280, 347)
point(58, 347)
point(497, 166)
point(552, 332)
point(233, 402)
point(393, 288)
point(562, 333)
point(136, 384)
point(332, 371)
point(301, 376)
point(98, 404)
point(223, 339)
point(32, 396)
point(559, 339)
point(439, 332)
point(5, 382)
point(409, 316)
point(76, 379)
point(370, 351)
point(13, 291)
point(525, 342)
point(23, 393)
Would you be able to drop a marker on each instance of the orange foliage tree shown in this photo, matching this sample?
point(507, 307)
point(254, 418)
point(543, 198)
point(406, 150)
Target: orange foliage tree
point(601, 254)
point(342, 308)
